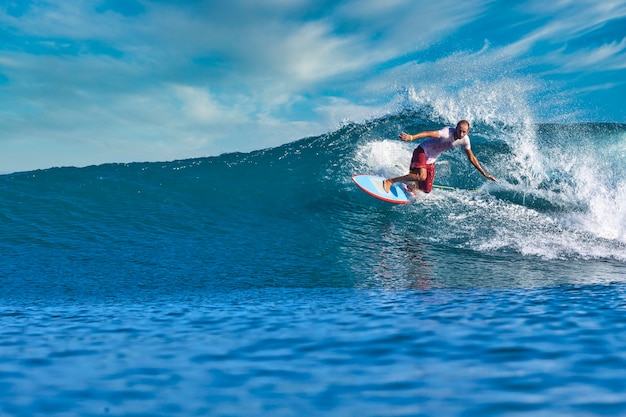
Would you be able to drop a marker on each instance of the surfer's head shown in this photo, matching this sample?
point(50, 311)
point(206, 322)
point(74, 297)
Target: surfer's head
point(462, 129)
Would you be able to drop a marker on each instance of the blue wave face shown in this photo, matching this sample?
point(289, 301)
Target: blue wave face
point(291, 216)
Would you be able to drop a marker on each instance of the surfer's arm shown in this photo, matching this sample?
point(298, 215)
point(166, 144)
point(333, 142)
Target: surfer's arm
point(474, 161)
point(427, 134)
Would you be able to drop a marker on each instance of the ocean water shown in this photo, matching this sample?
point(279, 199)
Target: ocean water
point(266, 283)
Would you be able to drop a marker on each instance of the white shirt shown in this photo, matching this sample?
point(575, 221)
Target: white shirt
point(433, 147)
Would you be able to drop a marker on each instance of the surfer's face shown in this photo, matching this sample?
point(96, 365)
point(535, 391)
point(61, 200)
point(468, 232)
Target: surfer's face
point(461, 130)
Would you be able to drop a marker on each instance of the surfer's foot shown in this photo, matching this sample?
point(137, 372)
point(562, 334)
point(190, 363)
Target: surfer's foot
point(411, 189)
point(387, 185)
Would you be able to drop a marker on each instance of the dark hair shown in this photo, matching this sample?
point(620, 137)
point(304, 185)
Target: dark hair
point(464, 122)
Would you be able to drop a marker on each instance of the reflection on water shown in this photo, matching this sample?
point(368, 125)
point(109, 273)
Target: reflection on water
point(402, 261)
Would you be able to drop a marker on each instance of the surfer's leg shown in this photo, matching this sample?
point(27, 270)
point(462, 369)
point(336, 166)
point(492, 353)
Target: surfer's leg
point(417, 170)
point(413, 176)
point(426, 185)
point(405, 178)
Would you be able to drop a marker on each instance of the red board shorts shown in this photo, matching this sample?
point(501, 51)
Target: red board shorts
point(419, 161)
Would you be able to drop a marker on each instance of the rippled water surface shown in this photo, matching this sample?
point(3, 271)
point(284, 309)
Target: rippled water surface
point(552, 351)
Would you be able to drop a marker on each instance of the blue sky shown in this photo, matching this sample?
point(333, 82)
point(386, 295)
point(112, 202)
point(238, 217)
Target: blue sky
point(92, 81)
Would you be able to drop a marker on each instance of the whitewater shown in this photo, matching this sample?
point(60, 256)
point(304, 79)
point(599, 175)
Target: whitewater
point(267, 283)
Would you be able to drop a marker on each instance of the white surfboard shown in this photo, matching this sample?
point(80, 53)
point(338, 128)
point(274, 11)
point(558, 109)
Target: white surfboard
point(373, 185)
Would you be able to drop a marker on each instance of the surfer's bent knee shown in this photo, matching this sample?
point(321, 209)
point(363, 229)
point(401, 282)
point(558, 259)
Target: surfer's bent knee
point(419, 176)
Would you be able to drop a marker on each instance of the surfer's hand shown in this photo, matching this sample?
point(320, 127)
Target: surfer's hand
point(490, 177)
point(405, 137)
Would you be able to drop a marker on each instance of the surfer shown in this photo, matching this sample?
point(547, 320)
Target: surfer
point(422, 169)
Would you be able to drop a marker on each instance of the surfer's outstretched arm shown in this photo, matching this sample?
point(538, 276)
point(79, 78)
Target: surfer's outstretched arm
point(426, 134)
point(474, 161)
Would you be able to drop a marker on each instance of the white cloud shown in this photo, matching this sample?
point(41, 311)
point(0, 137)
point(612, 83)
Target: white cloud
point(199, 106)
point(605, 57)
point(568, 21)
